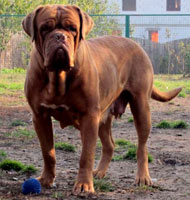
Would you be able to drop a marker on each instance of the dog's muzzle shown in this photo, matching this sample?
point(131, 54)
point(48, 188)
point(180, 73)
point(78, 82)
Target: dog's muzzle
point(57, 55)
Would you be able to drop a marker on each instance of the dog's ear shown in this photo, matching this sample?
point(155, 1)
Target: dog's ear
point(86, 23)
point(28, 23)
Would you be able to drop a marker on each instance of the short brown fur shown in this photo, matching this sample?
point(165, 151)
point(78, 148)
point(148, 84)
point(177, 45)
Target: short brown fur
point(85, 84)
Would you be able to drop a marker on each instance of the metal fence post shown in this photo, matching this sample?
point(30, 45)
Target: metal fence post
point(127, 26)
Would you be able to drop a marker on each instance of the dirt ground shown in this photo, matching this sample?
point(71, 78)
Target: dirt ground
point(170, 148)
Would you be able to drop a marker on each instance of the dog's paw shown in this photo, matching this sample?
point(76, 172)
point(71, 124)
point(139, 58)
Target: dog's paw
point(83, 188)
point(99, 173)
point(46, 182)
point(143, 180)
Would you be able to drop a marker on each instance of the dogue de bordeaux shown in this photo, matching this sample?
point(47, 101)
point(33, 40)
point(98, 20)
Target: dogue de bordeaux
point(86, 83)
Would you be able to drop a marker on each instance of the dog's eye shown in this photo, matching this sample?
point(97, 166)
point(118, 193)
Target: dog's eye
point(45, 28)
point(72, 28)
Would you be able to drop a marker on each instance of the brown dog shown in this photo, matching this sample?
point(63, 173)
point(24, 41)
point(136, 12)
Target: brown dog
point(86, 83)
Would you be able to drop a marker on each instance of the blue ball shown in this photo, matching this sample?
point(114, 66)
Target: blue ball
point(31, 186)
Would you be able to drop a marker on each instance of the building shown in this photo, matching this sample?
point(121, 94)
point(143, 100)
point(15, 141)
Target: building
point(174, 25)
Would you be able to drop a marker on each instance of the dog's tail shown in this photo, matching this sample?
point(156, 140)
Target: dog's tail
point(164, 96)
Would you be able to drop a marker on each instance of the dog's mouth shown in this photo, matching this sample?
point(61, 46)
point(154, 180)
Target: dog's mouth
point(59, 59)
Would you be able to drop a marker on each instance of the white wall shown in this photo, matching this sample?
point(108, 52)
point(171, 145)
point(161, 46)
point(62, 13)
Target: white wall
point(154, 7)
point(179, 27)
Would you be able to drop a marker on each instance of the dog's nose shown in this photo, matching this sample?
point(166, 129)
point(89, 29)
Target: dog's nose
point(60, 36)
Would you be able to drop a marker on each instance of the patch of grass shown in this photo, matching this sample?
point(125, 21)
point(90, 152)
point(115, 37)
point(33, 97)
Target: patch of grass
point(18, 123)
point(58, 195)
point(65, 146)
point(115, 124)
point(180, 125)
point(169, 82)
point(130, 119)
point(182, 94)
point(150, 158)
point(9, 165)
point(118, 158)
point(164, 124)
point(29, 169)
point(11, 86)
point(103, 185)
point(144, 188)
point(175, 124)
point(71, 127)
point(122, 142)
point(131, 154)
point(13, 71)
point(3, 155)
point(99, 144)
point(23, 133)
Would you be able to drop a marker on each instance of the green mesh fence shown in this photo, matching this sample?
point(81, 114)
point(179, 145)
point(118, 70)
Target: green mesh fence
point(166, 39)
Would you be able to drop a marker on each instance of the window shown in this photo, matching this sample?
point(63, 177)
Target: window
point(129, 5)
point(153, 36)
point(173, 5)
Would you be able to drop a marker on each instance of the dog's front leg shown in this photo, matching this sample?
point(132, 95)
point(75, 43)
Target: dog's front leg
point(89, 134)
point(43, 127)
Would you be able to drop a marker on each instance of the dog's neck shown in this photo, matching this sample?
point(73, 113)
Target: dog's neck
point(56, 85)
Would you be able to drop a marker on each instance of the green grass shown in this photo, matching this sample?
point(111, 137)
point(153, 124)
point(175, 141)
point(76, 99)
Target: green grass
point(130, 119)
point(9, 165)
point(130, 151)
point(145, 188)
point(18, 123)
point(3, 155)
point(168, 82)
point(99, 144)
point(172, 124)
point(182, 94)
point(103, 185)
point(118, 158)
point(29, 169)
point(65, 146)
point(13, 71)
point(180, 125)
point(123, 143)
point(131, 154)
point(14, 165)
point(23, 133)
point(164, 124)
point(115, 124)
point(58, 195)
point(12, 81)
point(11, 86)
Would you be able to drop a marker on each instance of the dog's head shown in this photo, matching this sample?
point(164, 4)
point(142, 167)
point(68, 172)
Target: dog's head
point(57, 31)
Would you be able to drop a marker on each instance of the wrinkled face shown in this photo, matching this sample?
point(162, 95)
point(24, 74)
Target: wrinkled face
point(57, 31)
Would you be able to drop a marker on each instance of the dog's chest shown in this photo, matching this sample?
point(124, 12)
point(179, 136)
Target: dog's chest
point(54, 107)
point(64, 114)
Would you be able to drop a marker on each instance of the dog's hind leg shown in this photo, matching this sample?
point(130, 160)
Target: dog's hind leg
point(142, 118)
point(105, 135)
